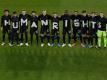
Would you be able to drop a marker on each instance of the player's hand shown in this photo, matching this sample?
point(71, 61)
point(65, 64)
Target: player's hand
point(17, 31)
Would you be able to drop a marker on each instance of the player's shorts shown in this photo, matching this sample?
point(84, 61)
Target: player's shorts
point(84, 31)
point(14, 30)
point(23, 29)
point(45, 29)
point(55, 32)
point(6, 29)
point(93, 33)
point(101, 33)
point(34, 30)
point(76, 31)
point(66, 30)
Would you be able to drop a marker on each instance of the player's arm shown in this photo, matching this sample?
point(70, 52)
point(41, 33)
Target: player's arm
point(1, 23)
point(106, 24)
point(10, 20)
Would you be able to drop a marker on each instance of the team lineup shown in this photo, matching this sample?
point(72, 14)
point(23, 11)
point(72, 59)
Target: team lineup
point(89, 29)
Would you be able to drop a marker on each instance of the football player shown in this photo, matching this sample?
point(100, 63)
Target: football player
point(45, 30)
point(93, 29)
point(85, 29)
point(5, 26)
point(15, 28)
point(66, 18)
point(76, 24)
point(102, 29)
point(34, 26)
point(23, 18)
point(55, 28)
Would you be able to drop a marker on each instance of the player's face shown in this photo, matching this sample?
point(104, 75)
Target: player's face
point(14, 14)
point(101, 15)
point(84, 14)
point(44, 12)
point(23, 12)
point(55, 15)
point(93, 14)
point(75, 13)
point(33, 14)
point(6, 13)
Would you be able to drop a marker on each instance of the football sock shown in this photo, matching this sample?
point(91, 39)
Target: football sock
point(99, 42)
point(105, 43)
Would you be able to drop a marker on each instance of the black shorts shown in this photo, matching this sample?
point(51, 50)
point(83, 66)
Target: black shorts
point(14, 32)
point(23, 29)
point(66, 30)
point(84, 31)
point(55, 32)
point(93, 33)
point(45, 29)
point(34, 30)
point(76, 31)
point(6, 29)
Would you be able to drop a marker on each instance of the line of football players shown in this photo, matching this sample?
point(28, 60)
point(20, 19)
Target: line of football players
point(89, 29)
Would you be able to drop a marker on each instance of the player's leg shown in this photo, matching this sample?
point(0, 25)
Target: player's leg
point(17, 37)
point(48, 36)
point(21, 36)
point(99, 34)
point(9, 35)
point(31, 36)
point(3, 37)
point(37, 37)
point(89, 38)
point(84, 37)
point(74, 35)
point(96, 39)
point(26, 37)
point(58, 37)
point(89, 41)
point(80, 36)
point(42, 36)
point(64, 35)
point(53, 37)
point(69, 38)
point(105, 38)
point(12, 37)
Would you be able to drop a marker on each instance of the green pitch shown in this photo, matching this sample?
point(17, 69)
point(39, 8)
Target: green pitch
point(36, 63)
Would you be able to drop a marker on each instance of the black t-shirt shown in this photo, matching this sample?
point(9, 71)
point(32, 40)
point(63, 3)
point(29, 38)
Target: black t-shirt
point(76, 21)
point(5, 21)
point(66, 18)
point(15, 22)
point(34, 21)
point(102, 23)
point(85, 22)
point(55, 23)
point(93, 23)
point(24, 20)
point(44, 20)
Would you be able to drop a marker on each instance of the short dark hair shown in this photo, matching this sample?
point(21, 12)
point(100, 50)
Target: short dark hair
point(54, 12)
point(14, 12)
point(23, 10)
point(75, 11)
point(84, 11)
point(6, 10)
point(33, 11)
point(66, 11)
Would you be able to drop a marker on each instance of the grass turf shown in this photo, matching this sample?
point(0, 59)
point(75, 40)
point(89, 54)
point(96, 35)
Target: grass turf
point(36, 63)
